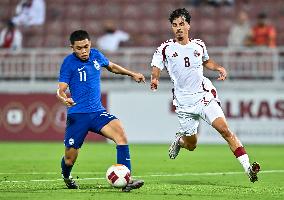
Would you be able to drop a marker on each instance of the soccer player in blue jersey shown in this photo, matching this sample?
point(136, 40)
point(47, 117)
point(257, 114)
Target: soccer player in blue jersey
point(81, 72)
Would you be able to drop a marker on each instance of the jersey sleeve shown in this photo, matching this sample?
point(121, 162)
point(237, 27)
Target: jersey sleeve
point(65, 72)
point(158, 58)
point(205, 56)
point(103, 61)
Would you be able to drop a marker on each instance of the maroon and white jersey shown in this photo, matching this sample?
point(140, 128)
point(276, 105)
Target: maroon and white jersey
point(184, 65)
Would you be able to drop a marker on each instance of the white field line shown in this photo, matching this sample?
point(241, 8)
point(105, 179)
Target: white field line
point(144, 176)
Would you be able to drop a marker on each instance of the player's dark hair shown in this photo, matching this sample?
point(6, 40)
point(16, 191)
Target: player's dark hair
point(180, 12)
point(78, 36)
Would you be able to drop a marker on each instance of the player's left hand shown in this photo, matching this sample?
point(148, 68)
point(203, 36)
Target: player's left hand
point(154, 84)
point(222, 74)
point(138, 77)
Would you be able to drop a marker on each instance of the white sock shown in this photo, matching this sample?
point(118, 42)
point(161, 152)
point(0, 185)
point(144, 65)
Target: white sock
point(244, 160)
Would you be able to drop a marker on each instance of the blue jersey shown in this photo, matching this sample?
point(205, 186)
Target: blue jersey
point(83, 78)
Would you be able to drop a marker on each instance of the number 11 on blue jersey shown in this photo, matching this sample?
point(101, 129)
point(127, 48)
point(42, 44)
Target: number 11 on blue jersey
point(83, 76)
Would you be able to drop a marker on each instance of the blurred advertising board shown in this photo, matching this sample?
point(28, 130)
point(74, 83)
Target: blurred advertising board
point(147, 117)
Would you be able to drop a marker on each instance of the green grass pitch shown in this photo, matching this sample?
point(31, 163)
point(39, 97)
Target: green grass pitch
point(32, 171)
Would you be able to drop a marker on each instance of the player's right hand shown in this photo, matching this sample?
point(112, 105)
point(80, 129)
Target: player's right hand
point(154, 84)
point(69, 102)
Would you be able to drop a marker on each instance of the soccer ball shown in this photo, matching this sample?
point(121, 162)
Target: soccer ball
point(118, 175)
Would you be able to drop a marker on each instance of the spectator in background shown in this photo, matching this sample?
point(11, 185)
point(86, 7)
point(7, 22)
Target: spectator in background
point(30, 12)
point(240, 32)
point(10, 37)
point(263, 33)
point(112, 38)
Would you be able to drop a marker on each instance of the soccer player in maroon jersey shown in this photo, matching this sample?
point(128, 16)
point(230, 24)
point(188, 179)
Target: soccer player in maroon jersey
point(195, 97)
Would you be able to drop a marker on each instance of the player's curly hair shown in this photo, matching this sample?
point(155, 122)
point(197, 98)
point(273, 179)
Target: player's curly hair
point(180, 12)
point(79, 35)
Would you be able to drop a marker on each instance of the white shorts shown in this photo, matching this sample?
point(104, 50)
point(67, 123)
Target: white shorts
point(189, 117)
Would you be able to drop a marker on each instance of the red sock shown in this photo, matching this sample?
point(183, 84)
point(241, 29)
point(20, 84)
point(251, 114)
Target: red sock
point(239, 152)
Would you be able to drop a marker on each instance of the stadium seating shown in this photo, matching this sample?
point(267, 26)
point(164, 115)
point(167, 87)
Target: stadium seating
point(146, 21)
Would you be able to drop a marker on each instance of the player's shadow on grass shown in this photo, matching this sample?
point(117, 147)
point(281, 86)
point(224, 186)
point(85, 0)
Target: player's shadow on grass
point(94, 187)
point(103, 188)
point(99, 187)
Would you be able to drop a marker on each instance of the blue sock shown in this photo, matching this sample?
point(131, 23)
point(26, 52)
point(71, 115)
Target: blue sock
point(123, 156)
point(66, 170)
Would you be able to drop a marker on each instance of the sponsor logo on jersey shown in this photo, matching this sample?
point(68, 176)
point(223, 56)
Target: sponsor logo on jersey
point(96, 65)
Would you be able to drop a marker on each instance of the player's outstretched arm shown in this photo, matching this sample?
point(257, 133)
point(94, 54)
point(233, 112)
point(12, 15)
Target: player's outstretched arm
point(155, 75)
point(61, 95)
point(117, 69)
point(212, 65)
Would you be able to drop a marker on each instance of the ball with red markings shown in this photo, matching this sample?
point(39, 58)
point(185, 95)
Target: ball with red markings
point(118, 175)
